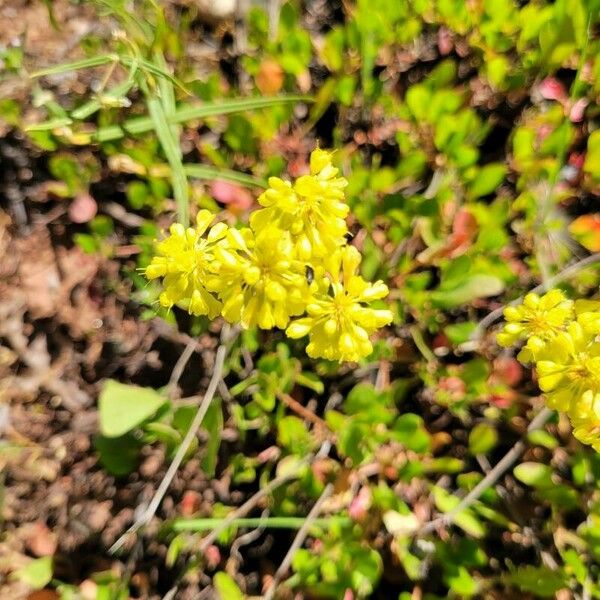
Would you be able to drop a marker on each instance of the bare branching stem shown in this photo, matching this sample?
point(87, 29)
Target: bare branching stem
point(150, 511)
point(491, 478)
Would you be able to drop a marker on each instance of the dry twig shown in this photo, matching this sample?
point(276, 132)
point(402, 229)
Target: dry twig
point(150, 511)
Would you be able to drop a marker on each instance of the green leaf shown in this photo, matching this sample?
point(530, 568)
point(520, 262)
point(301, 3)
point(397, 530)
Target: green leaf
point(293, 434)
point(119, 455)
point(482, 439)
point(488, 178)
point(543, 582)
point(458, 333)
point(418, 98)
point(226, 587)
point(592, 158)
point(461, 582)
point(411, 433)
point(475, 286)
point(115, 94)
point(539, 437)
point(534, 474)
point(466, 520)
point(125, 407)
point(37, 574)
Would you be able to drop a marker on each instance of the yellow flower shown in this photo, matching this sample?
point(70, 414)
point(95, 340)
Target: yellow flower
point(587, 430)
point(258, 279)
point(313, 209)
point(588, 315)
point(538, 319)
point(184, 261)
point(568, 369)
point(339, 322)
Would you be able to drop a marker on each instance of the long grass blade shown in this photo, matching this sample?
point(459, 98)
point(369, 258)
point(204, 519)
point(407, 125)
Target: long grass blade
point(114, 94)
point(210, 173)
point(86, 63)
point(254, 522)
point(187, 112)
point(172, 151)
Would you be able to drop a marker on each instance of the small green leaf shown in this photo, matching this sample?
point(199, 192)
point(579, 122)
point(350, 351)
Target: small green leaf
point(418, 98)
point(475, 286)
point(488, 178)
point(294, 435)
point(541, 581)
point(482, 439)
point(226, 587)
point(539, 437)
point(534, 474)
point(125, 407)
point(119, 455)
point(466, 520)
point(461, 582)
point(459, 333)
point(169, 141)
point(37, 574)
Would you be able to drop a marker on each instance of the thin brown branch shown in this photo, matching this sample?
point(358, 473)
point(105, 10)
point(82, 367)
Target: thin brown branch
point(306, 414)
point(491, 478)
point(150, 511)
point(180, 365)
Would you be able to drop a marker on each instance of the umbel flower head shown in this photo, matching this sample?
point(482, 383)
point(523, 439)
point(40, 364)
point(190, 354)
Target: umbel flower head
point(339, 319)
point(313, 209)
point(568, 369)
point(258, 279)
point(259, 276)
point(184, 260)
point(539, 318)
point(587, 430)
point(563, 343)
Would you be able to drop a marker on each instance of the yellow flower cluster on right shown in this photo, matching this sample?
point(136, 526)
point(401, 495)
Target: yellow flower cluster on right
point(563, 343)
point(294, 259)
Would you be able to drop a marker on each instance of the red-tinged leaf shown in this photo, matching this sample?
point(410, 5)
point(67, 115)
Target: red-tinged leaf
point(586, 230)
point(464, 230)
point(234, 196)
point(577, 110)
point(83, 208)
point(552, 89)
point(507, 370)
point(269, 79)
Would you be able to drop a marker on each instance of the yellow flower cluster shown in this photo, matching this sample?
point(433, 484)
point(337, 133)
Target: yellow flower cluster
point(292, 260)
point(563, 343)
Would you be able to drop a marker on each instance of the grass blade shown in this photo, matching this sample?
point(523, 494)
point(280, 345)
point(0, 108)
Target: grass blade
point(186, 112)
point(50, 125)
point(86, 63)
point(198, 525)
point(172, 151)
point(115, 93)
point(210, 173)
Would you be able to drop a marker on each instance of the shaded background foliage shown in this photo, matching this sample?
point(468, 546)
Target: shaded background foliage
point(468, 131)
